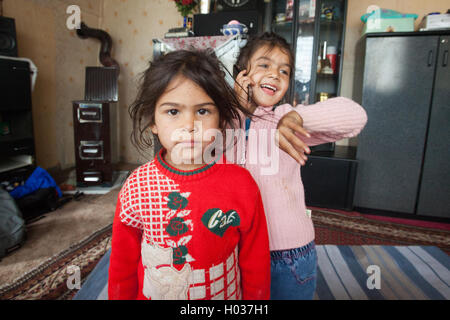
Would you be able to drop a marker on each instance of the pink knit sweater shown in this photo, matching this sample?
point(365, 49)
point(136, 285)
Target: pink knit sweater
point(280, 182)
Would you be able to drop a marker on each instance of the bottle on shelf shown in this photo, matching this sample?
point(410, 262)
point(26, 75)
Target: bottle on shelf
point(325, 65)
point(319, 64)
point(332, 57)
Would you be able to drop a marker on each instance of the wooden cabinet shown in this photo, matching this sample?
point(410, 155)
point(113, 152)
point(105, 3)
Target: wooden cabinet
point(96, 144)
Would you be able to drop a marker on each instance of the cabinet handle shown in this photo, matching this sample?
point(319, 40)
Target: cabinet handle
point(90, 150)
point(445, 59)
point(91, 179)
point(430, 58)
point(20, 148)
point(88, 113)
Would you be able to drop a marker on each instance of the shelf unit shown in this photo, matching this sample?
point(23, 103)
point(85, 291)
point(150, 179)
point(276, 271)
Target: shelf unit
point(310, 33)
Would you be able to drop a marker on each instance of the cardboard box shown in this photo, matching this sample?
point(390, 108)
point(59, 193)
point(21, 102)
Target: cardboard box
point(435, 22)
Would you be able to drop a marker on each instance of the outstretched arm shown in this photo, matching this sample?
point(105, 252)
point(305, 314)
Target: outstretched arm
point(323, 122)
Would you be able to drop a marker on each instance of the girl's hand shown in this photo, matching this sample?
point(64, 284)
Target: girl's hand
point(242, 86)
point(287, 139)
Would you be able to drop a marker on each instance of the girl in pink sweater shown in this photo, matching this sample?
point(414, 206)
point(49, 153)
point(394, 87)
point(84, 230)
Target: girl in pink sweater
point(267, 66)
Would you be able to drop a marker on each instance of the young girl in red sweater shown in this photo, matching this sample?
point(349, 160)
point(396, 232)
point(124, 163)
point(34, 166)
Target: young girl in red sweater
point(187, 227)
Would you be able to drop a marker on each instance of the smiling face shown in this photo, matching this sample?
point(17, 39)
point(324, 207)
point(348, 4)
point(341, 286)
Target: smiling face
point(270, 72)
point(184, 113)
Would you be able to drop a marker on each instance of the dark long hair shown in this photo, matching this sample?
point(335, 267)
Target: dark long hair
point(200, 66)
point(269, 39)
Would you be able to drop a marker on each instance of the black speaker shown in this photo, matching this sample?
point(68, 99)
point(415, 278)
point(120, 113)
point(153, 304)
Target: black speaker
point(8, 42)
point(234, 5)
point(211, 24)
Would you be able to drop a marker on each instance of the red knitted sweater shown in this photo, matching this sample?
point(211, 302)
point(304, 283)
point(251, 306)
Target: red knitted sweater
point(197, 234)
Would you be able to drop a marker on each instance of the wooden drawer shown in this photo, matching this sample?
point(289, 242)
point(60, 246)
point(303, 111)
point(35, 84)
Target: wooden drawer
point(90, 113)
point(91, 177)
point(91, 150)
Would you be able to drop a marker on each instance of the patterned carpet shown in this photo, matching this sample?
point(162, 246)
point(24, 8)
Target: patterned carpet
point(49, 281)
point(344, 229)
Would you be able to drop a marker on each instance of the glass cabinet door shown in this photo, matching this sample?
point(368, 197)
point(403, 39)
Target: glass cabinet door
point(294, 20)
point(282, 19)
point(315, 29)
point(304, 52)
point(329, 46)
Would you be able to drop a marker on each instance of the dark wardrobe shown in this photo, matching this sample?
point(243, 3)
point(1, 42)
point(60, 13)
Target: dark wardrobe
point(403, 82)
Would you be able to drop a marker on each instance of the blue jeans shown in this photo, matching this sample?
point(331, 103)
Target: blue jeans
point(294, 273)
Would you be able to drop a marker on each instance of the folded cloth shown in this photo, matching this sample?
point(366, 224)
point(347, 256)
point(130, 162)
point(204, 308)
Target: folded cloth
point(39, 179)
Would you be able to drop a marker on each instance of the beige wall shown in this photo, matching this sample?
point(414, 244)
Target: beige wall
point(132, 25)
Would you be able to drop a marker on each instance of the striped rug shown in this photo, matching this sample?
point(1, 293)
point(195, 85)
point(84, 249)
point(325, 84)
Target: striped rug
point(382, 273)
point(350, 273)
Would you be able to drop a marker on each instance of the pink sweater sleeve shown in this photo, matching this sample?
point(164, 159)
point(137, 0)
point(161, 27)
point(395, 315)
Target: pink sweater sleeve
point(330, 120)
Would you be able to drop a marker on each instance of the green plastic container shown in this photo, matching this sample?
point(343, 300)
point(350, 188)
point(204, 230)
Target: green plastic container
point(385, 20)
point(389, 25)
